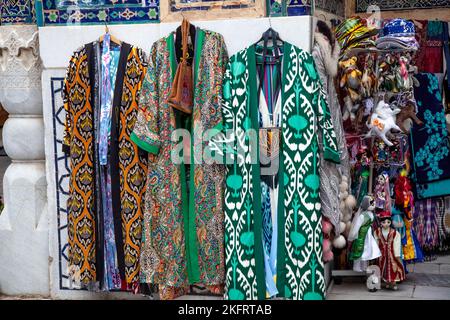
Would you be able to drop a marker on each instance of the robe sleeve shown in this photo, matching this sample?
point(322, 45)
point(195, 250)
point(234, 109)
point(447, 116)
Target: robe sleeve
point(146, 129)
point(397, 244)
point(221, 140)
point(356, 225)
point(325, 124)
point(68, 123)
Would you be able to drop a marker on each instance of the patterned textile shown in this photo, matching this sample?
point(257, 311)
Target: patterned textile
point(330, 173)
point(106, 102)
point(127, 172)
point(443, 218)
point(426, 225)
point(411, 249)
point(269, 116)
point(430, 144)
point(398, 34)
point(183, 233)
point(110, 58)
point(429, 34)
point(304, 111)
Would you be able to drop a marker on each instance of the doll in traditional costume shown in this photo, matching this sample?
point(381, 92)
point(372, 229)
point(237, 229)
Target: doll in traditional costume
point(364, 247)
point(389, 242)
point(382, 192)
point(404, 201)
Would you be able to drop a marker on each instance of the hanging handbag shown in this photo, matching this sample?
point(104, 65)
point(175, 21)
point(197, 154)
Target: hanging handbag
point(181, 94)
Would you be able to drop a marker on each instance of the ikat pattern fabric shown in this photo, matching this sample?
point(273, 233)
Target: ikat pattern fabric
point(300, 270)
point(79, 141)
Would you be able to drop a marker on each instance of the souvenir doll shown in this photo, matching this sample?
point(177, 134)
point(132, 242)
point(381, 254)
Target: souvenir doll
point(389, 242)
point(364, 247)
point(361, 175)
point(382, 192)
point(404, 201)
point(380, 154)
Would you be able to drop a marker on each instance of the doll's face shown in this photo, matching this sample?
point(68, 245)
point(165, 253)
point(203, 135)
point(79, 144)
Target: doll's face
point(385, 224)
point(381, 179)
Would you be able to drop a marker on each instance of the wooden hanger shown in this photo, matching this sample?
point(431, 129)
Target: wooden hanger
point(112, 38)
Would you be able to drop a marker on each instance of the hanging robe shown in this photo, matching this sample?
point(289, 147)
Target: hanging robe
point(304, 111)
point(126, 166)
point(183, 221)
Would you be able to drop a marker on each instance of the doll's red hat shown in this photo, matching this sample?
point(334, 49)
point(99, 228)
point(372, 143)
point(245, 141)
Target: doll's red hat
point(384, 214)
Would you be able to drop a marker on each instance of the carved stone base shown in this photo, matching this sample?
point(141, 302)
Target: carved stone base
point(24, 252)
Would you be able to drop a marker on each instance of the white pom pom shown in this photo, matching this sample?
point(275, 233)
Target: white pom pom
point(347, 217)
point(341, 196)
point(343, 186)
point(342, 206)
point(342, 226)
point(339, 242)
point(344, 178)
point(345, 194)
point(350, 201)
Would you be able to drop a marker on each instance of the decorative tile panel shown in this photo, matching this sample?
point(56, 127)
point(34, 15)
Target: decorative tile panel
point(336, 7)
point(17, 12)
point(174, 10)
point(67, 12)
point(385, 5)
point(278, 8)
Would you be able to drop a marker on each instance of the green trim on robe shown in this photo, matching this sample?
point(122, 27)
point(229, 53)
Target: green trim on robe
point(144, 145)
point(191, 239)
point(282, 181)
point(259, 254)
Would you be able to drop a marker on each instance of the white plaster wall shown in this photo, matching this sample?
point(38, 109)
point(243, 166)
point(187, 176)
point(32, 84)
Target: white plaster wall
point(57, 45)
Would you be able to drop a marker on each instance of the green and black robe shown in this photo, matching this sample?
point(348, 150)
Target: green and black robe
point(304, 111)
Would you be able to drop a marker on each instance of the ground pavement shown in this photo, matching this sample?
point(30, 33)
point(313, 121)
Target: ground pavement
point(425, 281)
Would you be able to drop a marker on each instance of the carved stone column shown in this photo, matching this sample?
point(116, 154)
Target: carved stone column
point(24, 245)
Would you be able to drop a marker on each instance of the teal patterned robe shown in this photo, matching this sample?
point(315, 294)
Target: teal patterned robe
point(300, 270)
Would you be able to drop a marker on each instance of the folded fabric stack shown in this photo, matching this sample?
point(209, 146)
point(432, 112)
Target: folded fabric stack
point(398, 34)
point(355, 33)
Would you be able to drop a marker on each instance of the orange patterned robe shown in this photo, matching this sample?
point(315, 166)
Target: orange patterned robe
point(128, 165)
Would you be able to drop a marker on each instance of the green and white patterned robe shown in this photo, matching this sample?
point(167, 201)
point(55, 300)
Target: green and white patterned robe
point(300, 271)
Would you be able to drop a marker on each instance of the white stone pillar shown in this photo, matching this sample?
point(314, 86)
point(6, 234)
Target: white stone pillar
point(24, 245)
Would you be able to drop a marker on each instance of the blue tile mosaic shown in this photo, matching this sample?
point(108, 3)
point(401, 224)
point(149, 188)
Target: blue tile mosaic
point(279, 8)
point(67, 12)
point(17, 12)
point(203, 5)
point(384, 5)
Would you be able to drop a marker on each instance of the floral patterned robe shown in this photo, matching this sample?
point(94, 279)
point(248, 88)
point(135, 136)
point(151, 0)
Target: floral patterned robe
point(183, 225)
